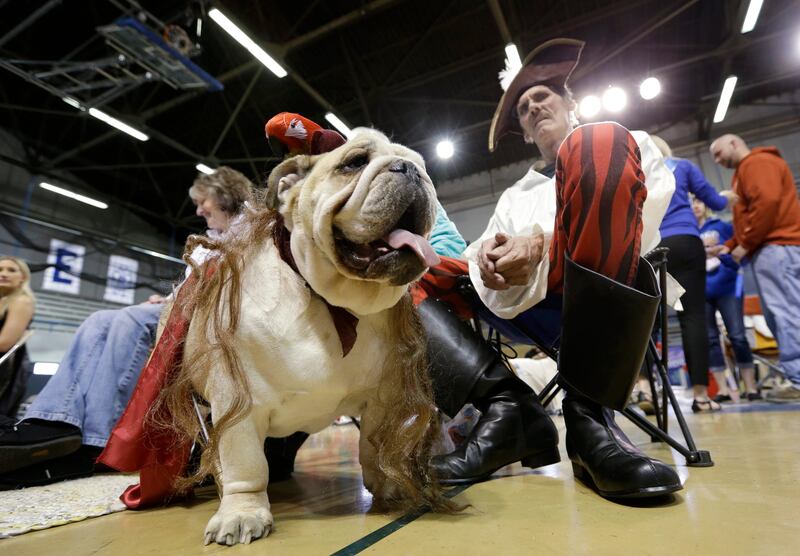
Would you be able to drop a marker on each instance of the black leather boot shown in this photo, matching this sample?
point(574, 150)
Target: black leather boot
point(606, 326)
point(465, 369)
point(606, 460)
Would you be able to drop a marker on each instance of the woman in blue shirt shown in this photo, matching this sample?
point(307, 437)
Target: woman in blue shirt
point(686, 262)
point(722, 283)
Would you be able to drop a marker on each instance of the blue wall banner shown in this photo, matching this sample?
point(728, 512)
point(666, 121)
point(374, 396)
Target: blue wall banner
point(121, 283)
point(64, 274)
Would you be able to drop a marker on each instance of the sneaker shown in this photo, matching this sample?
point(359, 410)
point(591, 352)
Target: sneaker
point(786, 394)
point(35, 440)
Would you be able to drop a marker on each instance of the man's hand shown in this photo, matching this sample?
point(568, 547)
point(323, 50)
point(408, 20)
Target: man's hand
point(156, 299)
point(732, 197)
point(506, 261)
point(738, 254)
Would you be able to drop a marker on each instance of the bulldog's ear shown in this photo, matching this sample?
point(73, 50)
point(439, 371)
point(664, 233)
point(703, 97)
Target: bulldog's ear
point(284, 177)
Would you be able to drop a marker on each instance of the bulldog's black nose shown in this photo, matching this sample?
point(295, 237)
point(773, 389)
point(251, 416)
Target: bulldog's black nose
point(404, 167)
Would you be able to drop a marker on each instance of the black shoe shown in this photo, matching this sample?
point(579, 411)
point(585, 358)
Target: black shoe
point(722, 398)
point(80, 463)
point(606, 460)
point(512, 428)
point(35, 440)
point(753, 396)
point(465, 369)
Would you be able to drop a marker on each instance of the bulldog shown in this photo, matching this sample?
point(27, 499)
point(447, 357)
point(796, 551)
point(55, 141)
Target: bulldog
point(305, 317)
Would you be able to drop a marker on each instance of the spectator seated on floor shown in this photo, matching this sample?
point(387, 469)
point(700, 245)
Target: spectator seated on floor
point(69, 422)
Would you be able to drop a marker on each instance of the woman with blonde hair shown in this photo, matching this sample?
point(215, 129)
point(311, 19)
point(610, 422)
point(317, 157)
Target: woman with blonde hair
point(16, 311)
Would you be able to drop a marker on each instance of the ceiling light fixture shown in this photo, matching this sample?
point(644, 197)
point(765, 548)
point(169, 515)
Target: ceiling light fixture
point(120, 125)
point(751, 16)
point(445, 149)
point(72, 102)
point(614, 99)
point(725, 99)
point(650, 88)
point(204, 168)
point(73, 195)
point(241, 37)
point(339, 124)
point(589, 107)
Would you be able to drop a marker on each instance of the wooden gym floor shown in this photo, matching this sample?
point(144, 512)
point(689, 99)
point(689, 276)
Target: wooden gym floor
point(747, 503)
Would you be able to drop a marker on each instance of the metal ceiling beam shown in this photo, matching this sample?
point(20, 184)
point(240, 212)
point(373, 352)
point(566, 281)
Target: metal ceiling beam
point(356, 15)
point(456, 101)
point(236, 111)
point(646, 29)
point(481, 57)
point(39, 171)
point(500, 20)
point(28, 21)
point(419, 42)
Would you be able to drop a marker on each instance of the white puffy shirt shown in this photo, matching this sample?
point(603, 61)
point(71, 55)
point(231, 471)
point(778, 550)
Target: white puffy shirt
point(529, 206)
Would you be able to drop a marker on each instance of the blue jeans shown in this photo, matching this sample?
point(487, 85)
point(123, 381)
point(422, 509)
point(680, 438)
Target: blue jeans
point(776, 269)
point(98, 374)
point(730, 307)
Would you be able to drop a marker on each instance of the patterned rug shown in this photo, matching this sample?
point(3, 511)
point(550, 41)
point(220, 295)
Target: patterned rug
point(35, 508)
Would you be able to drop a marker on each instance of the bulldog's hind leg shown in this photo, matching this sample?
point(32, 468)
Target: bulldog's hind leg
point(244, 513)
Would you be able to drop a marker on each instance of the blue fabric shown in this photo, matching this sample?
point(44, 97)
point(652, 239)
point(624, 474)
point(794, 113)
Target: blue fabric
point(776, 269)
point(722, 281)
point(730, 307)
point(445, 239)
point(679, 218)
point(541, 323)
point(98, 374)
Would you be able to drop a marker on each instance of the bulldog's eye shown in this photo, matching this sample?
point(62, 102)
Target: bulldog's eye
point(355, 163)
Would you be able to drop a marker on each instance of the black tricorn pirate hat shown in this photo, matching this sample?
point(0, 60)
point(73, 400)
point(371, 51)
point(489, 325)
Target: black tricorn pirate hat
point(550, 63)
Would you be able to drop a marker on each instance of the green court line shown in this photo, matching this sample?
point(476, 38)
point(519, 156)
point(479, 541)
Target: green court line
point(379, 534)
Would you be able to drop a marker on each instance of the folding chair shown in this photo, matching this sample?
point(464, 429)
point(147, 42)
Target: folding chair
point(655, 366)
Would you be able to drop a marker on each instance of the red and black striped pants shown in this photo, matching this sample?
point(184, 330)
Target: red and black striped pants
point(600, 193)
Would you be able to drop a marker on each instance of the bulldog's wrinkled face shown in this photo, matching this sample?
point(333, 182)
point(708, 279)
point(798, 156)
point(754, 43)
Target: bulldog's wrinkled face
point(368, 205)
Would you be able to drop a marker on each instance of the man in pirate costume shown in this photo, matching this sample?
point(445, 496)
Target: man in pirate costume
point(585, 289)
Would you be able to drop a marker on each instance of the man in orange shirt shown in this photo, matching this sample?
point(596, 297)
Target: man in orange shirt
point(766, 224)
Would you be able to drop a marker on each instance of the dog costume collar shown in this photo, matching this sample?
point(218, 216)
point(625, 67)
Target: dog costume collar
point(344, 321)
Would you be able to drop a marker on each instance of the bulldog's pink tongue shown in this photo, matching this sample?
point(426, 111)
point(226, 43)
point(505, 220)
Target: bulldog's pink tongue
point(403, 238)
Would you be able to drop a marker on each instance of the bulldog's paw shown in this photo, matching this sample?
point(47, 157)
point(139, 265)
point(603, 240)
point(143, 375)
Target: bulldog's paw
point(241, 518)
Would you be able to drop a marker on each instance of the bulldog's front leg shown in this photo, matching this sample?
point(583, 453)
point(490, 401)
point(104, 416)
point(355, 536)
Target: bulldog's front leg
point(244, 512)
point(374, 479)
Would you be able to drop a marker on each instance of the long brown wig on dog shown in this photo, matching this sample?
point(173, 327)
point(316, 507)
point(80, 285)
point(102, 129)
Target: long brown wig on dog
point(403, 439)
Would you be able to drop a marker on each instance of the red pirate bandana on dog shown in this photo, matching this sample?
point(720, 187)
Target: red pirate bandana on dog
point(550, 64)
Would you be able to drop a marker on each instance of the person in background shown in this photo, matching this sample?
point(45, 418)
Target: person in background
point(16, 312)
point(68, 424)
point(766, 227)
point(722, 282)
point(686, 262)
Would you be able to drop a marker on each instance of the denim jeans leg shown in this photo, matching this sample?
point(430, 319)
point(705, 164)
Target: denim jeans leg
point(730, 307)
point(130, 339)
point(777, 274)
point(62, 398)
point(716, 361)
